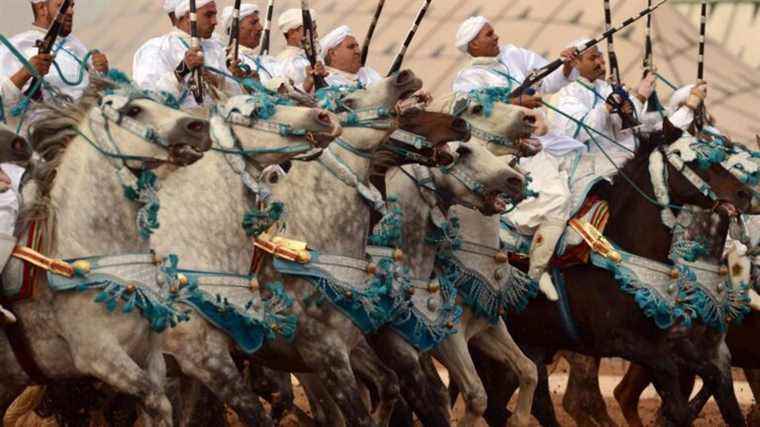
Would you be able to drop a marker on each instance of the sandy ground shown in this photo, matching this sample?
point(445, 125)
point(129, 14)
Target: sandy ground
point(612, 371)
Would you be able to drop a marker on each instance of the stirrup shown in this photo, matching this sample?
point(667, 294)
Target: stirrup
point(595, 240)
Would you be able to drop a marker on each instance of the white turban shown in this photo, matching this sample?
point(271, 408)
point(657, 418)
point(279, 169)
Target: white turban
point(37, 1)
point(292, 19)
point(246, 9)
point(183, 7)
point(579, 44)
point(334, 38)
point(469, 29)
point(170, 5)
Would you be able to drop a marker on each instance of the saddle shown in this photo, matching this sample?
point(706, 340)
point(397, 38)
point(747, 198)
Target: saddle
point(583, 235)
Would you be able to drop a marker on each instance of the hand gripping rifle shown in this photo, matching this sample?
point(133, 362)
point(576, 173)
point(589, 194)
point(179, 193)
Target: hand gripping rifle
point(619, 96)
point(196, 80)
point(541, 73)
point(267, 29)
point(371, 31)
point(46, 46)
point(310, 46)
point(399, 59)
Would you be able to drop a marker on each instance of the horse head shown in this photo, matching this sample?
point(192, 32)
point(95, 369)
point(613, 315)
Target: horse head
point(268, 130)
point(423, 136)
point(385, 93)
point(479, 179)
point(505, 128)
point(695, 172)
point(13, 147)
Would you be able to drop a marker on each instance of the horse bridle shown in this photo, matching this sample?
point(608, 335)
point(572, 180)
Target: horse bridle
point(111, 110)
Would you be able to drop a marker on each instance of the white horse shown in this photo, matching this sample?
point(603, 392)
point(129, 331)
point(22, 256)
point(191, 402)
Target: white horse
point(93, 149)
point(202, 210)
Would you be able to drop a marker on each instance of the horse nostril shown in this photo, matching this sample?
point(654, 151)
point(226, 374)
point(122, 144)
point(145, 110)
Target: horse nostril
point(403, 78)
point(460, 125)
point(323, 118)
point(515, 182)
point(743, 195)
point(197, 126)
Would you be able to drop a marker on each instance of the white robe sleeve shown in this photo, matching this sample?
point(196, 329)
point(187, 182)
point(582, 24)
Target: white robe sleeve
point(151, 70)
point(682, 118)
point(10, 93)
point(574, 105)
point(295, 69)
point(529, 61)
point(368, 76)
point(468, 80)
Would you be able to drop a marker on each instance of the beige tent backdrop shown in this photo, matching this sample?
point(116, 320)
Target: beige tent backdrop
point(118, 27)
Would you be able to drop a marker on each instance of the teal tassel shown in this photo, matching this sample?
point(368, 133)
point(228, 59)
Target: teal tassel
point(256, 221)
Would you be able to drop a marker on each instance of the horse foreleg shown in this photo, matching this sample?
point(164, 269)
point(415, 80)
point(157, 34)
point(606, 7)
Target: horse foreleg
point(753, 378)
point(628, 392)
point(675, 409)
point(498, 344)
point(421, 386)
point(329, 358)
point(716, 374)
point(454, 354)
point(202, 353)
point(325, 412)
point(109, 363)
point(274, 386)
point(583, 398)
point(369, 367)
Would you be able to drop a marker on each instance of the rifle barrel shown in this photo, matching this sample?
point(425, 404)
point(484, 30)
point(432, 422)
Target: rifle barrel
point(371, 31)
point(399, 59)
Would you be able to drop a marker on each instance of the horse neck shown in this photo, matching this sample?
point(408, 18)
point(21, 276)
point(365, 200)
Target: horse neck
point(476, 228)
point(92, 215)
point(200, 223)
point(417, 223)
point(322, 210)
point(635, 223)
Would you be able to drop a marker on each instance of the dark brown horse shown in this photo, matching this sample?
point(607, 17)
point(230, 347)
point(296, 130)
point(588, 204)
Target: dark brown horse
point(745, 353)
point(608, 323)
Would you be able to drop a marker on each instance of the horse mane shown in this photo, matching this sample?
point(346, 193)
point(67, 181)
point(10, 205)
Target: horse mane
point(53, 127)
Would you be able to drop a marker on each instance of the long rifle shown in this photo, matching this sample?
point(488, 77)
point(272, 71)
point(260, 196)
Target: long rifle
point(699, 115)
point(233, 46)
point(196, 80)
point(653, 103)
point(310, 46)
point(371, 31)
point(267, 29)
point(549, 68)
point(46, 46)
point(399, 59)
point(614, 66)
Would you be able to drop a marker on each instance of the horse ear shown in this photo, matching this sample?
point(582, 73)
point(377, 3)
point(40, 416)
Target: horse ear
point(757, 141)
point(671, 133)
point(460, 106)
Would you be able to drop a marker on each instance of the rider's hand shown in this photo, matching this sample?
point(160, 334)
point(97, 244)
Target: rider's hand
point(100, 62)
point(5, 182)
point(646, 86)
point(311, 73)
point(697, 95)
point(41, 62)
point(569, 55)
point(528, 101)
point(194, 58)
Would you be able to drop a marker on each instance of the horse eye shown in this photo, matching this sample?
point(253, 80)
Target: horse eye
point(477, 109)
point(463, 150)
point(133, 111)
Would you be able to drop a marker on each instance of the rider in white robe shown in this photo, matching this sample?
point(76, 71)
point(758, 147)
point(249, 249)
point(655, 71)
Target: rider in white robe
point(266, 68)
point(156, 62)
point(71, 75)
point(342, 55)
point(295, 64)
point(507, 66)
